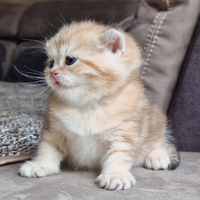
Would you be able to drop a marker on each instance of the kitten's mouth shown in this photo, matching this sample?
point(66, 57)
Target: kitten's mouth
point(57, 83)
point(60, 85)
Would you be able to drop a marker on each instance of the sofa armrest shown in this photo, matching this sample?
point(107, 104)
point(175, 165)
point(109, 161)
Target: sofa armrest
point(184, 111)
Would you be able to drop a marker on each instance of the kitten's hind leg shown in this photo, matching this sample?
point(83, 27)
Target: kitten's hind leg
point(47, 161)
point(162, 158)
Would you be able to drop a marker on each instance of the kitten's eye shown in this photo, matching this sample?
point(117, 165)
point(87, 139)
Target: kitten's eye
point(70, 60)
point(51, 64)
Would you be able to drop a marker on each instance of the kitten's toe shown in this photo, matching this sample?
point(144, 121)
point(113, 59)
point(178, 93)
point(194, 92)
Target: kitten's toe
point(31, 169)
point(116, 184)
point(103, 181)
point(157, 159)
point(116, 181)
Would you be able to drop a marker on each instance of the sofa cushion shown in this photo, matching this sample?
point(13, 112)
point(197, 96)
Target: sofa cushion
point(37, 21)
point(164, 30)
point(184, 111)
point(7, 50)
point(70, 184)
point(10, 18)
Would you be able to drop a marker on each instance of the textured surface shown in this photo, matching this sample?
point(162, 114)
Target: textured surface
point(21, 116)
point(185, 109)
point(183, 183)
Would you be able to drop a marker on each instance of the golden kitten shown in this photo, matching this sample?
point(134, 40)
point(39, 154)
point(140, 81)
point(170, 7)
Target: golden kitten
point(98, 115)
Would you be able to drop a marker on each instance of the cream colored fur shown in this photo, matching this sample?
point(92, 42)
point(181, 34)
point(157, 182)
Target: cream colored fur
point(98, 115)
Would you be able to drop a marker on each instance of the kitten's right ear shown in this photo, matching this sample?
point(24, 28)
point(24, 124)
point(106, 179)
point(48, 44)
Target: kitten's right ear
point(114, 40)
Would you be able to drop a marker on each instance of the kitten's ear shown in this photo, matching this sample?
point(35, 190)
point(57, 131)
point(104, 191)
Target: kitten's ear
point(114, 41)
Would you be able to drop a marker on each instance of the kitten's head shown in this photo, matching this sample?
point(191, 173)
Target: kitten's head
point(88, 61)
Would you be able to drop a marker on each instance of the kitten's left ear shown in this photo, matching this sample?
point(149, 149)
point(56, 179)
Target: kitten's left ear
point(114, 41)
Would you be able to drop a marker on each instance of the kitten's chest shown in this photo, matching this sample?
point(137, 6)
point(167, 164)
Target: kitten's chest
point(83, 123)
point(86, 135)
point(85, 150)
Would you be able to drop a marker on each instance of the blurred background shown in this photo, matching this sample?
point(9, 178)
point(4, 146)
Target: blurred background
point(25, 24)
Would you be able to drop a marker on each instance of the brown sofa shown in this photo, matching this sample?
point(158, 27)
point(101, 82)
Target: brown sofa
point(168, 33)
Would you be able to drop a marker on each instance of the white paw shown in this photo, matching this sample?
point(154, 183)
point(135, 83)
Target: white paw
point(116, 181)
point(31, 169)
point(157, 159)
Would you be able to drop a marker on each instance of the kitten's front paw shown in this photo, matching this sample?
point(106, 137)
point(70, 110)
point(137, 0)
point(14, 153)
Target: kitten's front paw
point(116, 181)
point(31, 169)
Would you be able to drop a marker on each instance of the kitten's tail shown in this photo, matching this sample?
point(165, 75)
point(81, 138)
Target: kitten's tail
point(172, 151)
point(174, 158)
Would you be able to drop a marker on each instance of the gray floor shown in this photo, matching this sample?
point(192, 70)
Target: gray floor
point(183, 184)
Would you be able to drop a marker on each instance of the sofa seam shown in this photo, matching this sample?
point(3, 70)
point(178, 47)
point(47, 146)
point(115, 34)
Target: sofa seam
point(152, 39)
point(148, 44)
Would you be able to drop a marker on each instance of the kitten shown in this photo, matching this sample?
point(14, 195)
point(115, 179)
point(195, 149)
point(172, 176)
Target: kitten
point(98, 115)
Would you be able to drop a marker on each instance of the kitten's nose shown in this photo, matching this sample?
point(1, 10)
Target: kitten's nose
point(54, 73)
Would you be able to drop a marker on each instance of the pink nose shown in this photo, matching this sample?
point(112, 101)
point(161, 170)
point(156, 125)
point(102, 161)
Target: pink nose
point(54, 73)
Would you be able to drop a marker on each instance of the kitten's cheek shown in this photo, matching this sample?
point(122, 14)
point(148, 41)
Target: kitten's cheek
point(49, 81)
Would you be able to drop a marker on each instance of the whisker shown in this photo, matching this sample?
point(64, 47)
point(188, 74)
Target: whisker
point(60, 21)
point(52, 33)
point(32, 83)
point(38, 49)
point(64, 21)
point(34, 47)
point(33, 40)
point(28, 76)
point(35, 53)
point(33, 71)
point(41, 92)
point(51, 24)
point(39, 82)
point(40, 32)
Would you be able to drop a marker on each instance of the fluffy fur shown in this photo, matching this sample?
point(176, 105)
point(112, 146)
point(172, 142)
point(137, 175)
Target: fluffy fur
point(98, 115)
